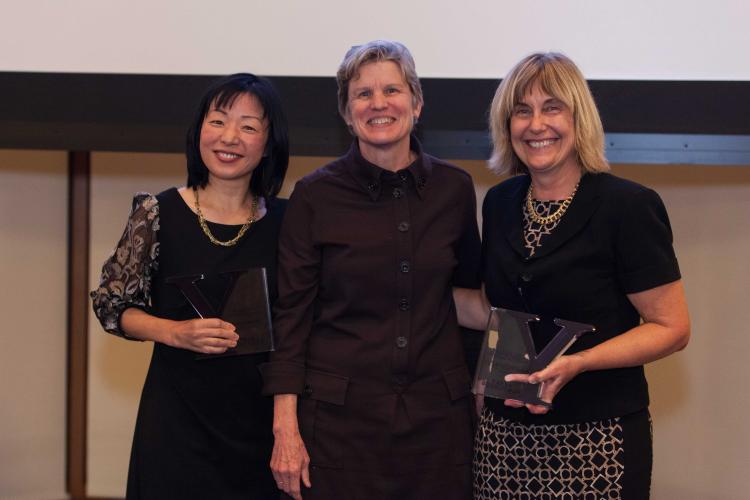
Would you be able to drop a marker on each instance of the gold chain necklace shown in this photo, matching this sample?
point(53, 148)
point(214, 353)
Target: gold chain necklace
point(243, 229)
point(554, 217)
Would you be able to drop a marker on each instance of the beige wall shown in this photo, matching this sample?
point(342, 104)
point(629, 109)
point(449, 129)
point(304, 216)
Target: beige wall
point(117, 367)
point(699, 398)
point(33, 261)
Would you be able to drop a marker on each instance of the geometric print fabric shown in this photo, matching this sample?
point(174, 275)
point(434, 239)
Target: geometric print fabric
point(550, 462)
point(533, 232)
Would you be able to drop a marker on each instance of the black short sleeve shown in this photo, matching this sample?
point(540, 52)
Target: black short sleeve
point(645, 256)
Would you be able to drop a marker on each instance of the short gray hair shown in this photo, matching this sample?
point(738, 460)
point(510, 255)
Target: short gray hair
point(377, 51)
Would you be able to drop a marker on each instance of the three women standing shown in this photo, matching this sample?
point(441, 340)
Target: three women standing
point(371, 389)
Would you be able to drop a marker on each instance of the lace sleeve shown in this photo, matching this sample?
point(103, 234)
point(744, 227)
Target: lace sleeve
point(126, 275)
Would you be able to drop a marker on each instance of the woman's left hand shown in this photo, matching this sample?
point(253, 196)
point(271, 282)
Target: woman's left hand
point(553, 378)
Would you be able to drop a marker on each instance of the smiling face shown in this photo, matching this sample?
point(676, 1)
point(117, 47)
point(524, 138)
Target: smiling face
point(233, 139)
point(381, 109)
point(542, 133)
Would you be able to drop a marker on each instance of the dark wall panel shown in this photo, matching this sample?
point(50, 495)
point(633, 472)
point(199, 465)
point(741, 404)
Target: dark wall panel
point(113, 112)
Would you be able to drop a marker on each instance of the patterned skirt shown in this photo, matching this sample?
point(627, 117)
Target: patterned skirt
point(608, 459)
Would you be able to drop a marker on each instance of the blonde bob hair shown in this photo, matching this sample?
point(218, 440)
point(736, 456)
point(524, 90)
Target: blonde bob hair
point(376, 51)
point(559, 77)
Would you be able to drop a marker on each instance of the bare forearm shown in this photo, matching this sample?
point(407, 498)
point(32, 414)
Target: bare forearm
point(666, 329)
point(285, 413)
point(208, 336)
point(143, 326)
point(646, 343)
point(472, 308)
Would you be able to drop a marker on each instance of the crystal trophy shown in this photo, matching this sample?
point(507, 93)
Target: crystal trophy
point(244, 303)
point(508, 347)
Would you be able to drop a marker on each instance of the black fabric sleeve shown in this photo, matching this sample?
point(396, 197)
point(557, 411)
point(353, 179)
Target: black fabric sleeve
point(299, 265)
point(645, 256)
point(468, 249)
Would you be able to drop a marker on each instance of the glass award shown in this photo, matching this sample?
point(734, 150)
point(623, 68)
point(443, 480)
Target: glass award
point(508, 347)
point(244, 303)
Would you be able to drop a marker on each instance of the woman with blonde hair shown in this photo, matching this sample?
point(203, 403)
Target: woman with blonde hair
point(564, 239)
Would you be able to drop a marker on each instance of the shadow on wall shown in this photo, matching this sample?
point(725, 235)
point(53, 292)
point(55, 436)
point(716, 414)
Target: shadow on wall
point(121, 364)
point(671, 377)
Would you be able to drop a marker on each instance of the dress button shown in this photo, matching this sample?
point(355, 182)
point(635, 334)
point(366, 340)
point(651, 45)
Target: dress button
point(403, 226)
point(403, 304)
point(421, 182)
point(397, 193)
point(405, 267)
point(308, 391)
point(402, 176)
point(372, 186)
point(401, 342)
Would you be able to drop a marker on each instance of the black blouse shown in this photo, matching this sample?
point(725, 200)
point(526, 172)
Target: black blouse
point(367, 259)
point(614, 239)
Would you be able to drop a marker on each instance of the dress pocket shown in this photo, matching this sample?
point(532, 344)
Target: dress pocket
point(458, 384)
point(321, 417)
point(328, 387)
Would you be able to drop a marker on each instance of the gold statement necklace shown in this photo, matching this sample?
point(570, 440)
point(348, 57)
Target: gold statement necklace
point(243, 229)
point(553, 217)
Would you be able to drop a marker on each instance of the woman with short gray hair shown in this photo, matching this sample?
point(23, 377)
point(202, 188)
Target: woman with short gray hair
point(372, 394)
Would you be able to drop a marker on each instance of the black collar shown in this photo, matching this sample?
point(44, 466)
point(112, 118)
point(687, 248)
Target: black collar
point(372, 177)
point(584, 205)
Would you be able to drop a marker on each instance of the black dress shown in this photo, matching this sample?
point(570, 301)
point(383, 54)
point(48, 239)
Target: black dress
point(367, 331)
point(203, 428)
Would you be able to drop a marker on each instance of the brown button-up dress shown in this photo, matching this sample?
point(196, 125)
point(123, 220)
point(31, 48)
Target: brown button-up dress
point(366, 327)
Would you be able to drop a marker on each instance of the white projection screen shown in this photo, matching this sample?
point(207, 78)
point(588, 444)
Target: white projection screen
point(610, 40)
point(116, 81)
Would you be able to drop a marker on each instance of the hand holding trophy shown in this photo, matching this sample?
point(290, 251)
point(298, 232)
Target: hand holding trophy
point(508, 349)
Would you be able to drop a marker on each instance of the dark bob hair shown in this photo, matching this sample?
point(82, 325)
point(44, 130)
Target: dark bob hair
point(268, 176)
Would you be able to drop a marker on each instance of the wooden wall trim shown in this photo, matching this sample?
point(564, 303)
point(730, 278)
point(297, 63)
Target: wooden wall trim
point(79, 178)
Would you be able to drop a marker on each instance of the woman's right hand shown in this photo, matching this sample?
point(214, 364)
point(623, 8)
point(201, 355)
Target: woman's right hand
point(289, 460)
point(207, 336)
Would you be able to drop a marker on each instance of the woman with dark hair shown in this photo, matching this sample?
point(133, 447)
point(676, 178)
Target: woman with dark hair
point(372, 393)
point(203, 428)
point(562, 238)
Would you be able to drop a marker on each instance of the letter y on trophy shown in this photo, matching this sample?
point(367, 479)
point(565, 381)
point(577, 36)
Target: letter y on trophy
point(508, 348)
